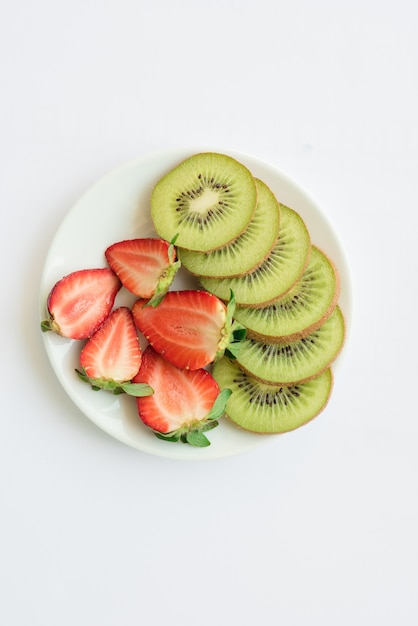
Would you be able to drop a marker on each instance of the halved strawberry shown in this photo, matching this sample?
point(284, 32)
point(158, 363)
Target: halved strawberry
point(190, 328)
point(185, 403)
point(112, 356)
point(146, 267)
point(80, 302)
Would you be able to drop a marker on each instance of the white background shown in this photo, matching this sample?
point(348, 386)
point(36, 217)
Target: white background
point(318, 527)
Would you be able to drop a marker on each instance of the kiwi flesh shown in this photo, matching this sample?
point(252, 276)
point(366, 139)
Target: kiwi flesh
point(303, 309)
point(276, 274)
point(245, 252)
point(206, 201)
point(294, 361)
point(264, 408)
point(286, 290)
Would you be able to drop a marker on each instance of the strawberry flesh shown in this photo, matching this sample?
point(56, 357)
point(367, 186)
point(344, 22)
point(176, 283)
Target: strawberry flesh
point(187, 327)
point(113, 352)
point(79, 303)
point(181, 407)
point(146, 267)
point(112, 356)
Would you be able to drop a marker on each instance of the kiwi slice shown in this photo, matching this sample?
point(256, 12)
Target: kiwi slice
point(301, 310)
point(264, 408)
point(206, 201)
point(294, 361)
point(277, 273)
point(245, 252)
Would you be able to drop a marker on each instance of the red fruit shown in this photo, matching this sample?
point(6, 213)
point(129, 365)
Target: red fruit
point(80, 302)
point(112, 356)
point(190, 328)
point(146, 267)
point(184, 404)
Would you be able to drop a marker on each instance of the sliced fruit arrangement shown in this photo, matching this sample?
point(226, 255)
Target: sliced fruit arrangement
point(266, 408)
point(112, 356)
point(185, 403)
point(294, 361)
point(277, 273)
point(245, 252)
point(146, 267)
point(190, 328)
point(305, 307)
point(255, 342)
point(287, 302)
point(80, 302)
point(207, 201)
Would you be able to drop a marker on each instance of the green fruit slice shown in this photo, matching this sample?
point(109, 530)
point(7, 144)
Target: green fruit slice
point(303, 309)
point(206, 201)
point(277, 273)
point(248, 250)
point(263, 408)
point(295, 361)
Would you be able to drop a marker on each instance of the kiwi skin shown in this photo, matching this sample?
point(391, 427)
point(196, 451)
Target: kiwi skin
point(300, 380)
point(241, 411)
point(246, 252)
point(279, 272)
point(303, 332)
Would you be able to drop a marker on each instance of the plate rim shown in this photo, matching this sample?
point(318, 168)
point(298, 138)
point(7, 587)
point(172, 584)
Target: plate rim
point(177, 452)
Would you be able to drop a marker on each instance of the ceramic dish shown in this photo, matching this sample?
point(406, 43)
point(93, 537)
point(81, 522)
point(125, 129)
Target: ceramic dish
point(116, 208)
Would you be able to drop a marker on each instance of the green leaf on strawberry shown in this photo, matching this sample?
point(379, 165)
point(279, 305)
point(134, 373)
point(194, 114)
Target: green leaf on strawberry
point(146, 267)
point(197, 438)
point(218, 408)
point(191, 328)
point(185, 403)
point(233, 333)
point(167, 275)
point(133, 389)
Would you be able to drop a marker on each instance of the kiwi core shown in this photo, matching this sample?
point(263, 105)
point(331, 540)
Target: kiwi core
point(207, 199)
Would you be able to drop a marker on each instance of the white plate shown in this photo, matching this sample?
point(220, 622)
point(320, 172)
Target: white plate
point(116, 208)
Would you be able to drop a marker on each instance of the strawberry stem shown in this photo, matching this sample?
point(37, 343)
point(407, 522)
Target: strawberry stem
point(167, 276)
point(163, 284)
point(171, 249)
point(233, 332)
point(49, 325)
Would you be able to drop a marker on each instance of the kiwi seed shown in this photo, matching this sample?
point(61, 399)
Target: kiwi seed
point(294, 361)
point(303, 309)
point(206, 201)
point(277, 273)
point(265, 408)
point(248, 250)
point(232, 233)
